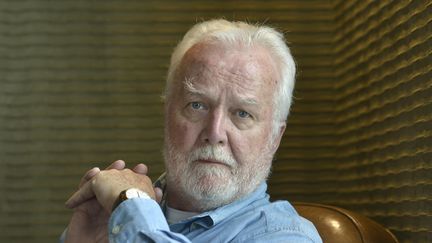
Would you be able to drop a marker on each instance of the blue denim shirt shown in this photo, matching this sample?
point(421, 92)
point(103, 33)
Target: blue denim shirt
point(251, 219)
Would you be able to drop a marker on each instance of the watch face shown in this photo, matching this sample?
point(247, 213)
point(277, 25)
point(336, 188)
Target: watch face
point(128, 194)
point(131, 193)
point(134, 192)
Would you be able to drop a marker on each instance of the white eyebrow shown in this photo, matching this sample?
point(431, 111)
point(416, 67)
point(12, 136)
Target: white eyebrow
point(249, 101)
point(188, 86)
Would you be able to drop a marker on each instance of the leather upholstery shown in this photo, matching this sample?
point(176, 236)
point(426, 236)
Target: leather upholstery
point(340, 225)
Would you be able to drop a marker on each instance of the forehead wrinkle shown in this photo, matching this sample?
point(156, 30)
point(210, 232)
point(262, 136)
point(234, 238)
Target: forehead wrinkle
point(242, 85)
point(243, 92)
point(190, 88)
point(202, 68)
point(243, 80)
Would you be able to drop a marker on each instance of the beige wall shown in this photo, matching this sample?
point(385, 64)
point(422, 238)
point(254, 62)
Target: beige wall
point(80, 83)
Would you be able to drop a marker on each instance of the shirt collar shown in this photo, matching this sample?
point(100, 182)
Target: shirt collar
point(174, 215)
point(213, 217)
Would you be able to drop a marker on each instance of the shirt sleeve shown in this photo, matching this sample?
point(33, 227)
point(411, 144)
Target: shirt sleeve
point(140, 220)
point(284, 236)
point(63, 236)
point(280, 235)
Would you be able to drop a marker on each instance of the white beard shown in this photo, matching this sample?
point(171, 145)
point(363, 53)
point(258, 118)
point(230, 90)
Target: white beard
point(208, 186)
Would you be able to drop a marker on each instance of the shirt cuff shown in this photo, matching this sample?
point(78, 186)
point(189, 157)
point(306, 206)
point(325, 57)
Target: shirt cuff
point(136, 218)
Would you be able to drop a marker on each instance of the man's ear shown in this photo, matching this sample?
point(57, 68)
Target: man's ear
point(278, 137)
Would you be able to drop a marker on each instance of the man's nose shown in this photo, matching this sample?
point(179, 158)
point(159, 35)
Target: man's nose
point(214, 131)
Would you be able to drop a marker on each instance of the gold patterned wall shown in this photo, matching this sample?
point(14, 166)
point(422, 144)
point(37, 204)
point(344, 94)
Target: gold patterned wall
point(384, 113)
point(80, 83)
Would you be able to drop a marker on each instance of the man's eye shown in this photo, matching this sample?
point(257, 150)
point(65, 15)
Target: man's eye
point(196, 105)
point(243, 114)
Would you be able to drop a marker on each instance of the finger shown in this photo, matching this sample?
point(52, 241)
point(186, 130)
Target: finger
point(140, 169)
point(89, 175)
point(158, 194)
point(117, 165)
point(80, 196)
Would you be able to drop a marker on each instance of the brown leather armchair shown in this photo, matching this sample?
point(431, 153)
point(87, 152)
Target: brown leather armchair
point(340, 225)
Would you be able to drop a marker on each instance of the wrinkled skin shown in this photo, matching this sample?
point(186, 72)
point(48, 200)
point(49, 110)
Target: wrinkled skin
point(92, 203)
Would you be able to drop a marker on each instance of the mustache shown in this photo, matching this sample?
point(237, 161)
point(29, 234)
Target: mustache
point(215, 153)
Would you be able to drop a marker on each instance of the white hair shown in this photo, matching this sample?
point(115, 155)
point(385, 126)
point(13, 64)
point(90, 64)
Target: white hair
point(235, 33)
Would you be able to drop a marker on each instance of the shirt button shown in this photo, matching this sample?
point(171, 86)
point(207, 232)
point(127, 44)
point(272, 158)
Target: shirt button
point(116, 229)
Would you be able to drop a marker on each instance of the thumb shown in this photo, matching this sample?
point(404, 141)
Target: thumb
point(158, 194)
point(80, 196)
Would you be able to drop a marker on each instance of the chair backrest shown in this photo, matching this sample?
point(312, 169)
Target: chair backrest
point(336, 225)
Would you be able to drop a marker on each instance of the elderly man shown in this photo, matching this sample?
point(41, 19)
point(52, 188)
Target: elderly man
point(228, 95)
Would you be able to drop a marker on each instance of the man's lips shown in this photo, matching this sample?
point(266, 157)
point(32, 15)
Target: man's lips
point(210, 161)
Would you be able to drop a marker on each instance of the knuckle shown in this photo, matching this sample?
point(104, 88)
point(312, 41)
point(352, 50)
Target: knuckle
point(94, 181)
point(127, 170)
point(98, 176)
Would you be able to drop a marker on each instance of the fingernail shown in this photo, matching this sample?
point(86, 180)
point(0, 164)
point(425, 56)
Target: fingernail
point(93, 172)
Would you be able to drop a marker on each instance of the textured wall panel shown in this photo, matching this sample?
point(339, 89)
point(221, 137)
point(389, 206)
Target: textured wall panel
point(384, 113)
point(80, 83)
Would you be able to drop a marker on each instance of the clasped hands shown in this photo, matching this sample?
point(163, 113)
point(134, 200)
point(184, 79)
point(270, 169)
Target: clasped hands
point(93, 202)
point(106, 185)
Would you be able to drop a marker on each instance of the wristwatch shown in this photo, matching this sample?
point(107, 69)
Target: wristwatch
point(128, 194)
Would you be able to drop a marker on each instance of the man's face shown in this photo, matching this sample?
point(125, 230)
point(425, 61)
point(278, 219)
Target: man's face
point(219, 124)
